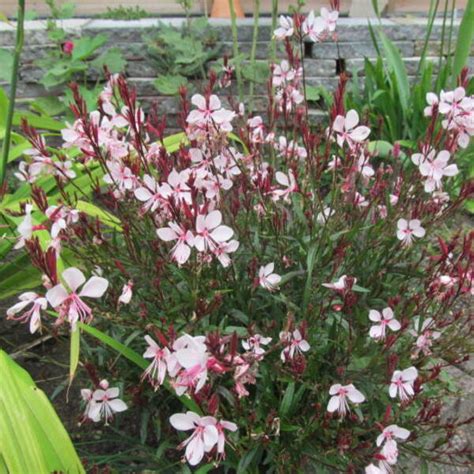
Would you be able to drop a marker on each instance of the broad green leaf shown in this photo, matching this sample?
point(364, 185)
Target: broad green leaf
point(103, 216)
point(170, 84)
point(112, 58)
point(32, 438)
point(86, 46)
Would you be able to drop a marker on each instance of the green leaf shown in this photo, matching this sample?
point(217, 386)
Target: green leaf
point(464, 41)
point(6, 60)
point(170, 84)
point(74, 353)
point(287, 399)
point(396, 65)
point(112, 58)
point(32, 438)
point(86, 46)
point(94, 211)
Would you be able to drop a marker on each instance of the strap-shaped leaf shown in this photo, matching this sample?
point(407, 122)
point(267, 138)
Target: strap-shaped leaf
point(32, 438)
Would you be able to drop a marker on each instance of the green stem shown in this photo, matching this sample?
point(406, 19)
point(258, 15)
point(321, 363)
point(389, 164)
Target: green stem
point(235, 48)
point(253, 51)
point(274, 23)
point(11, 105)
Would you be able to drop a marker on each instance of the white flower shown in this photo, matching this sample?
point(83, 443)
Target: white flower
point(391, 432)
point(185, 240)
point(156, 371)
point(204, 437)
point(341, 284)
point(25, 229)
point(402, 383)
point(33, 314)
point(384, 320)
point(209, 231)
point(346, 129)
point(340, 395)
point(69, 302)
point(294, 344)
point(267, 279)
point(127, 293)
point(105, 403)
point(254, 343)
point(409, 229)
point(324, 216)
point(435, 169)
point(285, 30)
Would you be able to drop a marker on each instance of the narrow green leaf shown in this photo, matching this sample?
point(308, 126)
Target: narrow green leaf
point(464, 41)
point(74, 353)
point(287, 399)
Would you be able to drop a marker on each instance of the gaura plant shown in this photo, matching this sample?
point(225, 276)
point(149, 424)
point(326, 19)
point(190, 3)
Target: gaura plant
point(286, 282)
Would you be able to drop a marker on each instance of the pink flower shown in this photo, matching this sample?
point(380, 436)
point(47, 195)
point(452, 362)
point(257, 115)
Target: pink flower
point(402, 383)
point(254, 343)
point(425, 335)
point(267, 279)
point(346, 129)
point(330, 18)
point(285, 30)
point(120, 177)
point(407, 230)
point(185, 240)
point(210, 112)
point(68, 47)
point(342, 284)
point(283, 74)
point(372, 469)
point(204, 437)
point(105, 403)
point(127, 293)
point(177, 186)
point(156, 371)
point(389, 454)
point(288, 181)
point(223, 250)
point(432, 100)
point(61, 217)
point(314, 27)
point(209, 232)
point(87, 396)
point(294, 344)
point(152, 194)
point(221, 426)
point(391, 432)
point(340, 394)
point(435, 169)
point(68, 302)
point(384, 320)
point(25, 228)
point(188, 363)
point(33, 314)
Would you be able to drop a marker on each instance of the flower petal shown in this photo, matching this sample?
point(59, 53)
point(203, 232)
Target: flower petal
point(95, 287)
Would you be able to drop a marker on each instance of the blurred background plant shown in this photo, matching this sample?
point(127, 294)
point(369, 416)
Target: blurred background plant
point(394, 103)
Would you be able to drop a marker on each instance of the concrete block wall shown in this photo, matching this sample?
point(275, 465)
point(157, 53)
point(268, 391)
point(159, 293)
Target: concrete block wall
point(323, 61)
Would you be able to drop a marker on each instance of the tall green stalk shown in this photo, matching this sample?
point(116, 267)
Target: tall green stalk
point(274, 23)
point(11, 105)
point(235, 49)
point(253, 51)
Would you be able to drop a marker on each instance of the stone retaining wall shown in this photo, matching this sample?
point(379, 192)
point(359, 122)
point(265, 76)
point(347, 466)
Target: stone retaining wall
point(323, 61)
